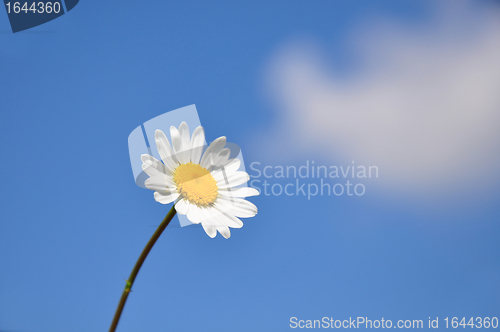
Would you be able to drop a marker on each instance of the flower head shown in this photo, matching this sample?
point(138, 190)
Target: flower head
point(203, 187)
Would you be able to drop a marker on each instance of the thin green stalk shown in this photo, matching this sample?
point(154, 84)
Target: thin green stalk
point(138, 265)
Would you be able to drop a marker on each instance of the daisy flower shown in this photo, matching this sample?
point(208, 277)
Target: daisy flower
point(204, 186)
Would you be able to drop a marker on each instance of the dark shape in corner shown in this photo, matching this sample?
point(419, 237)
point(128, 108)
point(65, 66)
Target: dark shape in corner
point(70, 4)
point(35, 12)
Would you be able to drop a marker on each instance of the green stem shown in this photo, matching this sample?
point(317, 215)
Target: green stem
point(138, 265)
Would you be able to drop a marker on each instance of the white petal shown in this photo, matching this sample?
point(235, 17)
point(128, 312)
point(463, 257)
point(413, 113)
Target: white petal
point(212, 152)
point(232, 166)
point(176, 139)
point(160, 184)
point(221, 174)
point(229, 220)
point(223, 230)
point(197, 143)
point(224, 206)
point(215, 219)
point(222, 158)
point(233, 180)
point(239, 192)
point(237, 206)
point(209, 229)
point(182, 206)
point(146, 158)
point(184, 132)
point(165, 199)
point(177, 145)
point(151, 170)
point(165, 150)
point(181, 142)
point(195, 214)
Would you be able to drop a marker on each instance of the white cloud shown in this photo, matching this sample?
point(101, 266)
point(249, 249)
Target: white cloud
point(424, 104)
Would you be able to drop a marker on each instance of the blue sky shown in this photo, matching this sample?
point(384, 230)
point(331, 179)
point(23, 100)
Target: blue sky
point(422, 242)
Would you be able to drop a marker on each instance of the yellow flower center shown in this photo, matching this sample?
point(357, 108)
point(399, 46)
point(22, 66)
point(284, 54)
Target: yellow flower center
point(196, 184)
